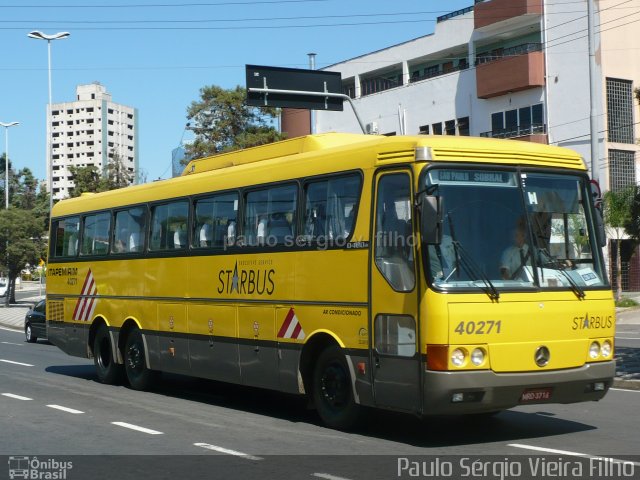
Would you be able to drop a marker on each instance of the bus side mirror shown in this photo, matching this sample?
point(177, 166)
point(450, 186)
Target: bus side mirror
point(431, 219)
point(600, 233)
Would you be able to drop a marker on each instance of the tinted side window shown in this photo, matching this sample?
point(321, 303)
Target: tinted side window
point(66, 237)
point(330, 208)
point(270, 216)
point(169, 226)
point(215, 221)
point(40, 307)
point(128, 234)
point(95, 234)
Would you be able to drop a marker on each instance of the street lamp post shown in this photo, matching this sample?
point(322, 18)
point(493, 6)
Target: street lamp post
point(43, 36)
point(6, 160)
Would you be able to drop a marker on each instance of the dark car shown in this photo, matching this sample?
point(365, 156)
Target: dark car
point(35, 323)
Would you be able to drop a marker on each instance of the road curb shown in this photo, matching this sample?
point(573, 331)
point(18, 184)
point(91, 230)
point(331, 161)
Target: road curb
point(626, 384)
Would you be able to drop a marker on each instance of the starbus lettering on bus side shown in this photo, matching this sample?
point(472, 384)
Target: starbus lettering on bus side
point(247, 281)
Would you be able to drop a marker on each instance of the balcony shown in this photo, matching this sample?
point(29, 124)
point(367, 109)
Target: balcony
point(494, 11)
point(502, 75)
point(536, 133)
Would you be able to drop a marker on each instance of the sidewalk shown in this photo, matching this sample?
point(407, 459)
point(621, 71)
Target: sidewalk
point(627, 359)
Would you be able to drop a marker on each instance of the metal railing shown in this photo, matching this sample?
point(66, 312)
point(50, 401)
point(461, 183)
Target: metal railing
point(523, 49)
point(438, 72)
point(517, 131)
point(462, 11)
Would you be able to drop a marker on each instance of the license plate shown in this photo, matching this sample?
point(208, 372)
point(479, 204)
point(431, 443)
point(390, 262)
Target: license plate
point(535, 395)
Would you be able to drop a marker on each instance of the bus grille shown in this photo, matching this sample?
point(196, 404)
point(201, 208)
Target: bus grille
point(55, 311)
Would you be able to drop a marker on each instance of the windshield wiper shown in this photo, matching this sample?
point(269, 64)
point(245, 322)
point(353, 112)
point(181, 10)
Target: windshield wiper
point(554, 263)
point(473, 271)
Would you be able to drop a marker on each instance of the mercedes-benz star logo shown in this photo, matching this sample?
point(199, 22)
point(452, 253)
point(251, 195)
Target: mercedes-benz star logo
point(542, 356)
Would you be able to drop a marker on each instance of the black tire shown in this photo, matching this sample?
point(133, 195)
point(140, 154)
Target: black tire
point(135, 364)
point(333, 390)
point(29, 334)
point(107, 368)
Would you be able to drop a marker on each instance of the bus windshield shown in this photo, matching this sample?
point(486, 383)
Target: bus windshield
point(513, 230)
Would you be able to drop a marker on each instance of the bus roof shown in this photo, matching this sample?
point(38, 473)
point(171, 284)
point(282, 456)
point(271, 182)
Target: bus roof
point(299, 156)
point(443, 148)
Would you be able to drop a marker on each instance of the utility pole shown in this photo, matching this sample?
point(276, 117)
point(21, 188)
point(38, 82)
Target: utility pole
point(593, 91)
point(312, 113)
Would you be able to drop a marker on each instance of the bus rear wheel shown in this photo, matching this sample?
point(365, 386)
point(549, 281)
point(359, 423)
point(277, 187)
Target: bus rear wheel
point(107, 368)
point(333, 392)
point(135, 363)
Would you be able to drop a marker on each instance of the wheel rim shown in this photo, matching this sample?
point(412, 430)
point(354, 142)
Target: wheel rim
point(104, 353)
point(28, 332)
point(335, 385)
point(135, 357)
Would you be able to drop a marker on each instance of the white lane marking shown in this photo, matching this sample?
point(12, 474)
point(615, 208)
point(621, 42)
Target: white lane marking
point(627, 338)
point(17, 397)
point(571, 454)
point(16, 363)
point(137, 428)
point(625, 390)
point(227, 451)
point(328, 476)
point(65, 409)
point(11, 343)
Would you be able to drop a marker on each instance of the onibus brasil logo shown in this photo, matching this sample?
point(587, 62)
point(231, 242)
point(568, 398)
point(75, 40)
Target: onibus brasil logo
point(37, 469)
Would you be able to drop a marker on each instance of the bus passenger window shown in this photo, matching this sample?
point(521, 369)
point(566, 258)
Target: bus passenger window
point(330, 208)
point(66, 241)
point(270, 216)
point(95, 234)
point(215, 219)
point(129, 230)
point(169, 226)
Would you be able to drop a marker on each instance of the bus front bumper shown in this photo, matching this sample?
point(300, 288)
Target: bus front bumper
point(453, 393)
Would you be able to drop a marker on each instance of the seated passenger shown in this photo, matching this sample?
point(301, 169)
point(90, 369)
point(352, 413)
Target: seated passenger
point(180, 238)
point(135, 243)
point(206, 234)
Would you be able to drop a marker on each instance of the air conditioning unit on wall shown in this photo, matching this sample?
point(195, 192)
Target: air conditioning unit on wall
point(372, 128)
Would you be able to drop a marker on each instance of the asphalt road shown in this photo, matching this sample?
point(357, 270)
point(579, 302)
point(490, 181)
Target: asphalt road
point(628, 335)
point(52, 407)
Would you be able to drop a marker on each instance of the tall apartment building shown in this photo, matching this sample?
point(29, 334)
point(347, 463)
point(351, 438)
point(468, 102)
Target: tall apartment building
point(90, 131)
point(514, 69)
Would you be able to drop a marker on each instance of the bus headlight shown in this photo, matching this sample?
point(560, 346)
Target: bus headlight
point(606, 348)
point(458, 357)
point(477, 357)
point(594, 350)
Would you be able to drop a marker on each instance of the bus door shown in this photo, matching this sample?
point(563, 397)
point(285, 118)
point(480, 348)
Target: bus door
point(395, 356)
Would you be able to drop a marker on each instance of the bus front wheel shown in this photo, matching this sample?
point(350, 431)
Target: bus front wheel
point(107, 368)
point(333, 392)
point(135, 364)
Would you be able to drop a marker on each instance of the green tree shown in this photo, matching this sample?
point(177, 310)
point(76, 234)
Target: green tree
point(222, 121)
point(90, 179)
point(21, 243)
point(617, 215)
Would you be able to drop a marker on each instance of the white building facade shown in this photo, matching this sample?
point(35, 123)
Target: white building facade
point(90, 131)
point(511, 69)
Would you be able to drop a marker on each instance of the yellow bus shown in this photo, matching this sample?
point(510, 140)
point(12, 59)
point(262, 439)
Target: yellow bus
point(422, 274)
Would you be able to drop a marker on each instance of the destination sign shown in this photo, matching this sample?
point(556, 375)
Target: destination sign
point(473, 177)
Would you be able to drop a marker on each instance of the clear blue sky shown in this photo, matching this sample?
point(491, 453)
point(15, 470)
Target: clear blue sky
point(155, 55)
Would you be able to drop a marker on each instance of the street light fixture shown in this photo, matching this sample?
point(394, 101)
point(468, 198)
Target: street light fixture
point(38, 35)
point(6, 160)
